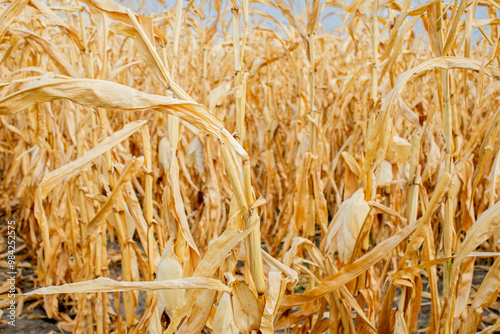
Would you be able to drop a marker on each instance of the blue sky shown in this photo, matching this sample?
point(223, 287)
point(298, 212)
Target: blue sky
point(329, 24)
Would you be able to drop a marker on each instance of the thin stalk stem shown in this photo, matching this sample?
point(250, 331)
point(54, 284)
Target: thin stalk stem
point(448, 224)
point(374, 80)
point(148, 200)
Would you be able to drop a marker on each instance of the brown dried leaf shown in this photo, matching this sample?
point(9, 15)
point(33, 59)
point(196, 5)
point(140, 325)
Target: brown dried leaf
point(245, 307)
point(110, 95)
point(104, 284)
point(345, 226)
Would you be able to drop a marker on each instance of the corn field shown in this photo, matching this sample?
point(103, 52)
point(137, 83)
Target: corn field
point(218, 168)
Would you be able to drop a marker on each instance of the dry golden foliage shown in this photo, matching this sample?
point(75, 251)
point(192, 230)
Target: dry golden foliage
point(252, 179)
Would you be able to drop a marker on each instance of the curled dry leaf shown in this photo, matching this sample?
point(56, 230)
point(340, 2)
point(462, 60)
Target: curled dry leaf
point(487, 147)
point(433, 159)
point(165, 154)
point(245, 307)
point(224, 319)
point(400, 150)
point(384, 174)
point(169, 268)
point(217, 95)
point(195, 155)
point(99, 93)
point(345, 226)
point(104, 284)
point(352, 163)
point(196, 321)
point(276, 286)
point(409, 273)
point(480, 231)
point(485, 296)
point(178, 211)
